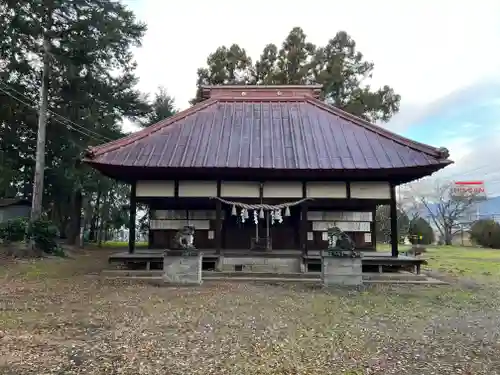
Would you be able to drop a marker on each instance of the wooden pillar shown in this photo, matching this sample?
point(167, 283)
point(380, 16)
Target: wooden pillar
point(150, 239)
point(374, 229)
point(218, 227)
point(259, 235)
point(303, 228)
point(394, 223)
point(218, 222)
point(303, 221)
point(131, 224)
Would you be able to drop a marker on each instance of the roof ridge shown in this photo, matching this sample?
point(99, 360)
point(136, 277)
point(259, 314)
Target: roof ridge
point(261, 91)
point(439, 152)
point(143, 133)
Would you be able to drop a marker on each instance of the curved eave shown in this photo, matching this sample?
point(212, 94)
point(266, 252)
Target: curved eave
point(397, 175)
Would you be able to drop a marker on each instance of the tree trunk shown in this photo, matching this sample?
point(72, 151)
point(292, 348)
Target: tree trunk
point(104, 219)
point(448, 238)
point(99, 239)
point(92, 229)
point(95, 217)
point(87, 213)
point(76, 218)
point(102, 232)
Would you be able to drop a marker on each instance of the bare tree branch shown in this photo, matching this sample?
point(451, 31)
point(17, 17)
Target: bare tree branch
point(445, 208)
point(405, 217)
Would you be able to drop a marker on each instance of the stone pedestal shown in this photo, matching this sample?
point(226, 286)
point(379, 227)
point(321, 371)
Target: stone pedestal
point(340, 270)
point(256, 263)
point(180, 268)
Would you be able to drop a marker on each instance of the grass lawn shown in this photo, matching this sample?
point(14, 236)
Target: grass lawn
point(56, 319)
point(481, 265)
point(474, 263)
point(122, 244)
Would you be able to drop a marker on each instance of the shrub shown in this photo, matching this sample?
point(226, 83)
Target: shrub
point(45, 235)
point(421, 228)
point(486, 233)
point(43, 232)
point(13, 230)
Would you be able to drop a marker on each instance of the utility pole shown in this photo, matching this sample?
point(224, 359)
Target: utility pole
point(36, 205)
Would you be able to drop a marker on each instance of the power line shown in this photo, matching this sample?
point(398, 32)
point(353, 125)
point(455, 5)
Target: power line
point(56, 114)
point(55, 119)
point(91, 133)
point(67, 123)
point(470, 171)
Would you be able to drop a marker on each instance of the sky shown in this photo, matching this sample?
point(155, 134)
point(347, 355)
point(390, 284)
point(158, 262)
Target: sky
point(442, 57)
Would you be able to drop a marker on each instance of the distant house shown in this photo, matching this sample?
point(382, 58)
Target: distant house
point(12, 208)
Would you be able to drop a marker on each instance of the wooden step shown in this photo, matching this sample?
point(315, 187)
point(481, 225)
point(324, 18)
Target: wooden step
point(236, 274)
point(316, 281)
point(133, 273)
point(155, 276)
point(289, 275)
point(251, 278)
point(393, 276)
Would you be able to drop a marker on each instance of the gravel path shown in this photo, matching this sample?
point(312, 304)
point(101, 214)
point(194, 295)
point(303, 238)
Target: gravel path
point(61, 324)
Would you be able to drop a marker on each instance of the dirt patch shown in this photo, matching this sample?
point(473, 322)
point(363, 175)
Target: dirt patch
point(55, 320)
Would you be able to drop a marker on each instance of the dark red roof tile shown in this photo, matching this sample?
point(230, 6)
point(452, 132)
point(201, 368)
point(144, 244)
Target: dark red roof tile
point(266, 130)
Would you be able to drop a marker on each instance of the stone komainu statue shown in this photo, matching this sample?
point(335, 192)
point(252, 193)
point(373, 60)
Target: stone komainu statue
point(184, 238)
point(339, 240)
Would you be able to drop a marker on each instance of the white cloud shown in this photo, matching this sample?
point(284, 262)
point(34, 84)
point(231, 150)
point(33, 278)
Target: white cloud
point(424, 49)
point(467, 122)
point(475, 159)
point(455, 100)
point(460, 148)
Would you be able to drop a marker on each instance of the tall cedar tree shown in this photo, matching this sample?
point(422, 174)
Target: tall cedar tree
point(91, 83)
point(163, 107)
point(338, 66)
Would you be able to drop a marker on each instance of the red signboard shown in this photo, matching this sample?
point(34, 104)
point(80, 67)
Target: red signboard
point(474, 189)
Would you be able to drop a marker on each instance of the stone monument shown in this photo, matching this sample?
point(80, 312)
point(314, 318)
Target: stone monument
point(341, 263)
point(182, 263)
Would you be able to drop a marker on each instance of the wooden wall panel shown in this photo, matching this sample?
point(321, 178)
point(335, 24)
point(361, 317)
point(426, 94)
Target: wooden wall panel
point(339, 215)
point(163, 239)
point(346, 226)
point(197, 188)
point(326, 189)
point(185, 214)
point(285, 236)
point(370, 190)
point(155, 189)
point(282, 189)
point(319, 241)
point(248, 189)
point(179, 224)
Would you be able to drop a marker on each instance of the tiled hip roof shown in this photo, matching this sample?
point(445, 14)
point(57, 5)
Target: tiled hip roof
point(273, 134)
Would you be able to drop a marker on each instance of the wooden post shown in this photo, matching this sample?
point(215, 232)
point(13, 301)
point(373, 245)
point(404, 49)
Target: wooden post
point(303, 228)
point(374, 229)
point(150, 239)
point(261, 200)
point(218, 227)
point(218, 221)
point(303, 221)
point(131, 224)
point(394, 223)
point(151, 216)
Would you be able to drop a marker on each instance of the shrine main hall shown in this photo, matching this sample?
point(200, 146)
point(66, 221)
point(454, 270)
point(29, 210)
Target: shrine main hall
point(264, 170)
